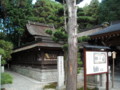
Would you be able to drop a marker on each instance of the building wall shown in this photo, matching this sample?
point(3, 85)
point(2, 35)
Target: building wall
point(39, 57)
point(25, 58)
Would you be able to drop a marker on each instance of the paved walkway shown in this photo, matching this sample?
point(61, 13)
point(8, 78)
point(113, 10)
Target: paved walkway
point(116, 81)
point(21, 82)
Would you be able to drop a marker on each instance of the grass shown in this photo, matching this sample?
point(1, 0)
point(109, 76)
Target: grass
point(6, 78)
point(87, 88)
point(51, 85)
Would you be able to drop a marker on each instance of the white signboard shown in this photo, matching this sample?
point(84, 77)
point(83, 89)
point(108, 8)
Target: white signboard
point(96, 62)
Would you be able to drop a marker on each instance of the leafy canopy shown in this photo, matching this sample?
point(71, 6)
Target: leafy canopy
point(109, 10)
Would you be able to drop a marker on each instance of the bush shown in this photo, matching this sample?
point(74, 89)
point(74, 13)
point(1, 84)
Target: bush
point(5, 51)
point(6, 78)
point(3, 62)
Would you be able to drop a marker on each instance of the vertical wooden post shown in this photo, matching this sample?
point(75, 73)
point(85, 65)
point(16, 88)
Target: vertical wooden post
point(85, 82)
point(113, 67)
point(113, 71)
point(107, 81)
point(107, 75)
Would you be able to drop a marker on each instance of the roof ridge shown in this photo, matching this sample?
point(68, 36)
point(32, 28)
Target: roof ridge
point(87, 29)
point(111, 28)
point(37, 23)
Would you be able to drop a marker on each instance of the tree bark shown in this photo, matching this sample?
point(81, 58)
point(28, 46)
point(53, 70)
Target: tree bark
point(72, 45)
point(65, 21)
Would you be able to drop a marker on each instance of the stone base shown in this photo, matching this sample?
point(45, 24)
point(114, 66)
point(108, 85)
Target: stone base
point(2, 69)
point(43, 75)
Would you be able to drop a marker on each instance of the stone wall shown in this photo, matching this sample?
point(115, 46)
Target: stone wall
point(43, 75)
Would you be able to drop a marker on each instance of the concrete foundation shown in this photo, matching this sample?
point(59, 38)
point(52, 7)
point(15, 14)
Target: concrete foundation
point(43, 75)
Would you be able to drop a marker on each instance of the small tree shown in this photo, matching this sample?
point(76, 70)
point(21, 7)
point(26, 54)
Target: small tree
point(5, 50)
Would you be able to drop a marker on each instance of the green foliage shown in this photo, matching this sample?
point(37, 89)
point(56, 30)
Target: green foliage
point(2, 52)
point(83, 39)
point(44, 11)
point(88, 16)
point(16, 13)
point(109, 10)
point(49, 12)
point(61, 35)
point(88, 88)
point(51, 85)
point(55, 39)
point(54, 85)
point(58, 35)
point(2, 35)
point(7, 47)
point(65, 47)
point(3, 62)
point(6, 78)
point(49, 32)
point(5, 50)
point(93, 9)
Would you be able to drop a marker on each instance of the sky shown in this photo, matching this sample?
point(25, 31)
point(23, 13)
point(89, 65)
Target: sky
point(82, 4)
point(33, 1)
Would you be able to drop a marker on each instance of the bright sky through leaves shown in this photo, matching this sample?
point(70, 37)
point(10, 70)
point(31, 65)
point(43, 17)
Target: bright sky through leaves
point(82, 4)
point(86, 2)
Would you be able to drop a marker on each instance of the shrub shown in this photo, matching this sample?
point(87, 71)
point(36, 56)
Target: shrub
point(5, 51)
point(6, 78)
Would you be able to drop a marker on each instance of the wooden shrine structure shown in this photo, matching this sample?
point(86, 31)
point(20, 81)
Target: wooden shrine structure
point(40, 50)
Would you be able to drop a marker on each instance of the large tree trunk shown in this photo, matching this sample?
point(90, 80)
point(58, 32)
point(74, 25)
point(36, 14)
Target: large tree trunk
point(72, 45)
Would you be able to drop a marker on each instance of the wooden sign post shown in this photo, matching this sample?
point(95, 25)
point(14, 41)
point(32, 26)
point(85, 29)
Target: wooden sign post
point(95, 63)
point(113, 68)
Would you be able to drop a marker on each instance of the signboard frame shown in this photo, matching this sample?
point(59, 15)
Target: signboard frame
point(85, 68)
point(97, 51)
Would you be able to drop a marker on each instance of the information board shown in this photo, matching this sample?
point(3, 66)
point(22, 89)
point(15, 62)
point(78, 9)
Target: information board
point(96, 62)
